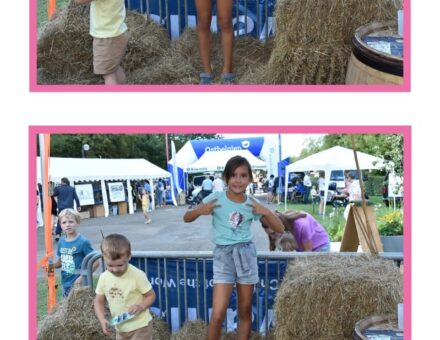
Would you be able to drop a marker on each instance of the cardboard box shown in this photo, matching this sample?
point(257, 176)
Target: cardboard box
point(98, 211)
point(122, 208)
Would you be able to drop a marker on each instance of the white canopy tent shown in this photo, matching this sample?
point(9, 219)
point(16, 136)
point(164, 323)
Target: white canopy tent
point(335, 158)
point(216, 160)
point(98, 169)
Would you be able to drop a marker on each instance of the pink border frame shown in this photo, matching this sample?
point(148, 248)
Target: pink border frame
point(34, 130)
point(34, 87)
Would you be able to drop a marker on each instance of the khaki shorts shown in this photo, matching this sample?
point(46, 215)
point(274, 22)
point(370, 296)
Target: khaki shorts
point(108, 53)
point(144, 333)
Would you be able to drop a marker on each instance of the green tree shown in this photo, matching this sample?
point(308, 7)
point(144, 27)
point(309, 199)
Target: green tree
point(148, 146)
point(387, 146)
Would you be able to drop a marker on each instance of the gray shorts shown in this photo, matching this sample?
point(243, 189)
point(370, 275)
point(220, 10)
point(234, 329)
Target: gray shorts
point(236, 263)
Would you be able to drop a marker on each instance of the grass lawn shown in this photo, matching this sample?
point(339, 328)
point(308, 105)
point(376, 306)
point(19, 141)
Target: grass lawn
point(42, 297)
point(42, 10)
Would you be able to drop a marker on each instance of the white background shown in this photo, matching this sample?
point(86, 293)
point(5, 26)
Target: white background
point(20, 109)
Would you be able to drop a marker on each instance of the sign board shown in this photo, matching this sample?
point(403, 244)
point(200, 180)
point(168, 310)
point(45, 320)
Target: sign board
point(356, 231)
point(116, 192)
point(85, 194)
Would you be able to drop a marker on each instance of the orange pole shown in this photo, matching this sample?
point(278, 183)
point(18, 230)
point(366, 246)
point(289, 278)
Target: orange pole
point(48, 259)
point(51, 8)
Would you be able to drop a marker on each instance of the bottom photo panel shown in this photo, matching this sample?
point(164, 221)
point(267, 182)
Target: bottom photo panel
point(219, 232)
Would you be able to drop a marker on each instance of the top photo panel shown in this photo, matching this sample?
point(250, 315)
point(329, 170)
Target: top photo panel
point(220, 45)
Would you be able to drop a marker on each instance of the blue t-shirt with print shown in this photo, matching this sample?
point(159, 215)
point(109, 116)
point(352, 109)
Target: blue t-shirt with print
point(72, 253)
point(232, 221)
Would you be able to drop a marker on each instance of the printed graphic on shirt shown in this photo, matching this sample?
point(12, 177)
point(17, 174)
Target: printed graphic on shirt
point(116, 293)
point(235, 219)
point(67, 263)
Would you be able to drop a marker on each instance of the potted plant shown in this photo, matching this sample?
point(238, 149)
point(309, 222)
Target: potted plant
point(391, 231)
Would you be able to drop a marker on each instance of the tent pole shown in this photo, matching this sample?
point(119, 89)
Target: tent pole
point(104, 198)
point(130, 197)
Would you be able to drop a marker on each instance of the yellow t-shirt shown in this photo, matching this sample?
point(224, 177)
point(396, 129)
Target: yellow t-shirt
point(124, 291)
point(107, 18)
point(145, 202)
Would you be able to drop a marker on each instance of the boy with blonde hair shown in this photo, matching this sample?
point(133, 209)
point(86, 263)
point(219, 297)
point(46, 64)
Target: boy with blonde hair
point(126, 289)
point(110, 38)
point(71, 250)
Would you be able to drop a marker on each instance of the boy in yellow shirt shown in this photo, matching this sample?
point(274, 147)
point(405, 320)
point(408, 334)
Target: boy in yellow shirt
point(110, 38)
point(126, 289)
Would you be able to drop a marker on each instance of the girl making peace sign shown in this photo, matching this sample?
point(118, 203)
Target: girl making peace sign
point(235, 255)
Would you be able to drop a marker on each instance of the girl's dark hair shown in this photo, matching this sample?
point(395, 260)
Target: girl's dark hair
point(232, 164)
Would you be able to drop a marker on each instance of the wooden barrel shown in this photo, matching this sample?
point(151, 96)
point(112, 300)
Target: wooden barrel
point(369, 63)
point(376, 325)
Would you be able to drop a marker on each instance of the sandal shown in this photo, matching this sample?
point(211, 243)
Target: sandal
point(205, 78)
point(228, 78)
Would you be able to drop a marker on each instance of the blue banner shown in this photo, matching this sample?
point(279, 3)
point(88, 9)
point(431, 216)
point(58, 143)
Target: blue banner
point(253, 144)
point(196, 288)
point(249, 17)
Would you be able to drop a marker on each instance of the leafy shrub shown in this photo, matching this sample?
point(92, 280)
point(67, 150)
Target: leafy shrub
point(391, 224)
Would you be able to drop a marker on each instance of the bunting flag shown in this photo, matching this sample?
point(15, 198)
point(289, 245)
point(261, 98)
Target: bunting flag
point(51, 8)
point(48, 260)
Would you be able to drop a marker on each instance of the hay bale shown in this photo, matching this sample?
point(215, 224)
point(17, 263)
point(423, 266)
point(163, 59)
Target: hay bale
point(234, 336)
point(178, 65)
point(161, 330)
point(306, 64)
point(73, 318)
point(323, 297)
point(64, 48)
point(196, 329)
point(182, 63)
point(329, 21)
point(65, 54)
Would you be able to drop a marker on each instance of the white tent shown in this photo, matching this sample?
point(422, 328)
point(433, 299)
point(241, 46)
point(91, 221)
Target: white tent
point(98, 169)
point(216, 160)
point(335, 158)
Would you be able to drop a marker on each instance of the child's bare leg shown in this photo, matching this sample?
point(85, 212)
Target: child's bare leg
point(244, 310)
point(204, 32)
point(220, 300)
point(224, 12)
point(120, 75)
point(117, 77)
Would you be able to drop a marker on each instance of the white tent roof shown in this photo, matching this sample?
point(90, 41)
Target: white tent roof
point(216, 161)
point(335, 158)
point(91, 169)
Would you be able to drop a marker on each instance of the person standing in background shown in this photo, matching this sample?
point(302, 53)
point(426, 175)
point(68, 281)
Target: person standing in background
point(65, 196)
point(307, 187)
point(218, 185)
point(321, 187)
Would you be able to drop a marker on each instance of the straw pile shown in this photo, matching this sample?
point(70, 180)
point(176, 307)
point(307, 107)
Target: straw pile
point(182, 64)
point(74, 319)
point(234, 336)
point(323, 297)
point(312, 43)
point(191, 330)
point(65, 46)
point(161, 331)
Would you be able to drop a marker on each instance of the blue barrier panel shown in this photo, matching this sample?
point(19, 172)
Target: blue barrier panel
point(249, 17)
point(182, 297)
